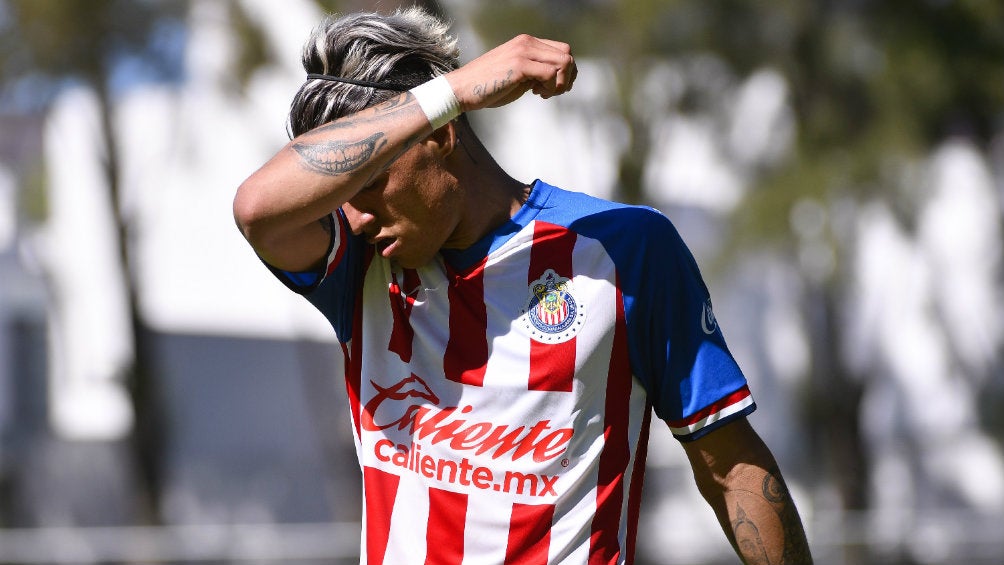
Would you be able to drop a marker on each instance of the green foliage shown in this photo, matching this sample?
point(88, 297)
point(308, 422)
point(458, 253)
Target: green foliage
point(33, 197)
point(329, 6)
point(873, 85)
point(253, 48)
point(87, 41)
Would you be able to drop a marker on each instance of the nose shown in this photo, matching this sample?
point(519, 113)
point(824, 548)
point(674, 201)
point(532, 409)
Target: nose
point(360, 221)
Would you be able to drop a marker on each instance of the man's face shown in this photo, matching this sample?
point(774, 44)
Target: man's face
point(410, 211)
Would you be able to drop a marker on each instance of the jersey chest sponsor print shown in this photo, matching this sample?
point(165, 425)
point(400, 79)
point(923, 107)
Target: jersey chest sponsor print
point(485, 429)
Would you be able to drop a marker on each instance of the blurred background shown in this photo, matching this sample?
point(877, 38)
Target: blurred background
point(836, 167)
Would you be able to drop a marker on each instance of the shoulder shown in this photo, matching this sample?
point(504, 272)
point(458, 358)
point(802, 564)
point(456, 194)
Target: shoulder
point(642, 242)
point(602, 219)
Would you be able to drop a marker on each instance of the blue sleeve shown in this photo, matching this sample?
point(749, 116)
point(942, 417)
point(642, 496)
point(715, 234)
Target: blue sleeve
point(332, 287)
point(676, 346)
point(677, 350)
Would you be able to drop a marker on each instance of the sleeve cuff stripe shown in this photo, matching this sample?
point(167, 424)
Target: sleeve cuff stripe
point(731, 404)
point(339, 241)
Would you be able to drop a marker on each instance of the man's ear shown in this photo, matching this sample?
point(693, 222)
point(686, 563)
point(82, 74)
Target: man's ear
point(444, 139)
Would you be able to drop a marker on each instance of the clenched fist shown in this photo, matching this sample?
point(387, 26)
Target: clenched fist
point(505, 73)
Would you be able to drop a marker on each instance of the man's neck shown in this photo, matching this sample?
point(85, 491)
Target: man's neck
point(491, 195)
point(490, 201)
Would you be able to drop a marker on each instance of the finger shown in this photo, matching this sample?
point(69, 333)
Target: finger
point(545, 77)
point(557, 45)
point(558, 63)
point(563, 78)
point(527, 39)
point(566, 76)
point(558, 54)
point(544, 50)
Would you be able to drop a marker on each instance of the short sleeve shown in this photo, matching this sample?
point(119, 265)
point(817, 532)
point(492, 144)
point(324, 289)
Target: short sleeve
point(332, 287)
point(677, 349)
point(305, 282)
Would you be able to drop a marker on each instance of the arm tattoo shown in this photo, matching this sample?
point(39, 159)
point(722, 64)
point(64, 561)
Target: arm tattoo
point(336, 157)
point(773, 489)
point(748, 539)
point(482, 91)
point(377, 112)
point(392, 105)
point(796, 549)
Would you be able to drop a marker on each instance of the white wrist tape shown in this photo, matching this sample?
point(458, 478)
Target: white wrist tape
point(437, 100)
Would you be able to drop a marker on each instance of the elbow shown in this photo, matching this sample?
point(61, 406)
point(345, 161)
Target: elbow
point(245, 210)
point(712, 488)
point(250, 215)
point(281, 233)
point(265, 227)
point(253, 219)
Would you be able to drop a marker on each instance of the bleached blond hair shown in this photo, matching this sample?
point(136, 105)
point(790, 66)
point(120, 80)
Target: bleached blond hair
point(406, 47)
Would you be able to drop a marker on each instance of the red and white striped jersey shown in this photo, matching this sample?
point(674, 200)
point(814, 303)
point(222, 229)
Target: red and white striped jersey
point(501, 395)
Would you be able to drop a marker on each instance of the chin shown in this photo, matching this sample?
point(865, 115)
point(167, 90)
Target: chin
point(416, 262)
point(409, 257)
point(411, 262)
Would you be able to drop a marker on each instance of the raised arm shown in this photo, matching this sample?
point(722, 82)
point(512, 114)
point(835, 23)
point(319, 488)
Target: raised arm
point(282, 208)
point(738, 476)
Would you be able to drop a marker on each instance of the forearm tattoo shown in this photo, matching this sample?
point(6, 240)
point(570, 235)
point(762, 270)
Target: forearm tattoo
point(337, 157)
point(378, 112)
point(483, 91)
point(334, 157)
point(774, 489)
point(749, 541)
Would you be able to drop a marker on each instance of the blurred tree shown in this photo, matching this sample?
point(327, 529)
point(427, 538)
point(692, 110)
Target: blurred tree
point(874, 87)
point(346, 6)
point(110, 46)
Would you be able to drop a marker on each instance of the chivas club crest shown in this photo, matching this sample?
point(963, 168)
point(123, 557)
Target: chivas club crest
point(552, 314)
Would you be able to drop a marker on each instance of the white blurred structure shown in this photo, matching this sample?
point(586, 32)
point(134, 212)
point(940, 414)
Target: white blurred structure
point(923, 314)
point(184, 152)
point(926, 329)
point(89, 315)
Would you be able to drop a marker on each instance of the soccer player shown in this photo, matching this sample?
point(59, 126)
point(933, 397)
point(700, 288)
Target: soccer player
point(505, 343)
